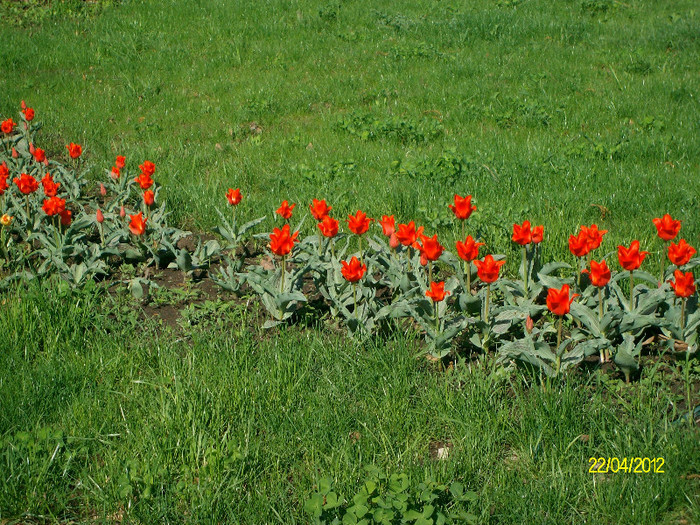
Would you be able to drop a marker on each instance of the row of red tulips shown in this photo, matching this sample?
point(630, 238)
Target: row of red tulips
point(581, 245)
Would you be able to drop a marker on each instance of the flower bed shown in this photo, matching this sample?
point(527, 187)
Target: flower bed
point(549, 318)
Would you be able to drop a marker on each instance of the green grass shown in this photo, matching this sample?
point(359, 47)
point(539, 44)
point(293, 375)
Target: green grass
point(548, 111)
point(104, 416)
point(555, 109)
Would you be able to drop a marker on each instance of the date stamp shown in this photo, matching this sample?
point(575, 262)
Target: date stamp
point(631, 465)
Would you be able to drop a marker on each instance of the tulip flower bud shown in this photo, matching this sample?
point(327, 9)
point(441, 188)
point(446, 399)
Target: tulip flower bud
point(529, 324)
point(393, 241)
point(122, 212)
point(14, 153)
point(46, 162)
point(100, 217)
point(31, 149)
point(423, 260)
point(23, 105)
point(103, 190)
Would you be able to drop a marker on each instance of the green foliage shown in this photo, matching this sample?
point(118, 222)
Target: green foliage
point(387, 499)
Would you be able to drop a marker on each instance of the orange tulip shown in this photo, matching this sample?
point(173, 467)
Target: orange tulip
point(631, 258)
point(281, 242)
point(74, 150)
point(138, 224)
point(488, 269)
point(684, 284)
point(462, 207)
point(558, 301)
point(234, 196)
point(354, 270)
point(599, 273)
point(328, 226)
point(285, 210)
point(469, 249)
point(437, 292)
point(319, 209)
point(681, 253)
point(666, 227)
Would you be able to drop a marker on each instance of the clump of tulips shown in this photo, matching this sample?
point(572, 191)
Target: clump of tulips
point(375, 275)
point(56, 220)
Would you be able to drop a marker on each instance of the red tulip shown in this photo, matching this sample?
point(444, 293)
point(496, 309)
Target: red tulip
point(666, 227)
point(26, 183)
point(579, 244)
point(595, 237)
point(631, 258)
point(74, 150)
point(66, 217)
point(328, 226)
point(39, 155)
point(681, 253)
point(115, 172)
point(488, 269)
point(599, 273)
point(430, 248)
point(149, 198)
point(3, 185)
point(120, 162)
point(437, 292)
point(54, 206)
point(285, 210)
point(407, 233)
point(148, 168)
point(281, 242)
point(319, 209)
point(99, 216)
point(522, 234)
point(234, 196)
point(144, 180)
point(138, 224)
point(359, 223)
point(537, 234)
point(28, 114)
point(684, 285)
point(469, 249)
point(4, 172)
point(558, 301)
point(50, 187)
point(462, 207)
point(7, 126)
point(388, 225)
point(354, 270)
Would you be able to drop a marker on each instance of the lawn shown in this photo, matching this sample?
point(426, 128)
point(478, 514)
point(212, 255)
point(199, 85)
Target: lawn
point(180, 407)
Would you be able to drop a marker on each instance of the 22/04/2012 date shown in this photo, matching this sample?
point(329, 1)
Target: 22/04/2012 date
point(630, 465)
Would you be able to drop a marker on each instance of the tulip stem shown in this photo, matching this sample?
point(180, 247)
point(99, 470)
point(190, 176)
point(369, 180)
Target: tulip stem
point(683, 314)
point(333, 248)
point(468, 271)
point(600, 303)
point(26, 200)
point(578, 283)
point(486, 308)
point(430, 272)
point(561, 317)
point(661, 263)
point(359, 245)
point(437, 319)
point(284, 271)
point(525, 269)
point(354, 298)
point(320, 242)
point(631, 290)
